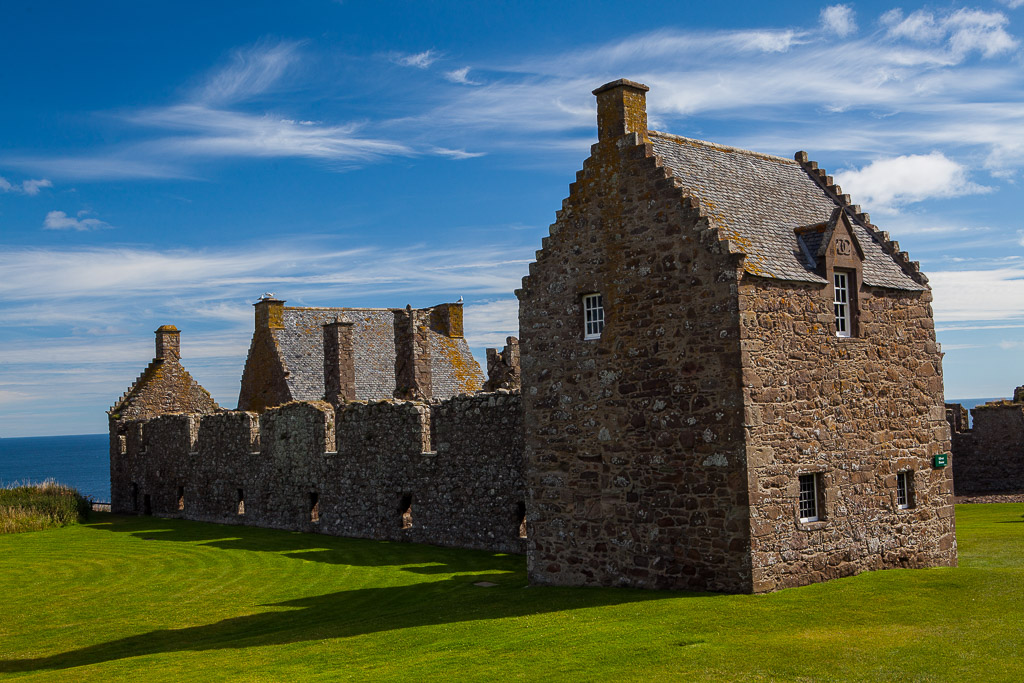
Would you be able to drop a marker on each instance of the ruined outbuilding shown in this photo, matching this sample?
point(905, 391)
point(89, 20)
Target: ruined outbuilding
point(729, 382)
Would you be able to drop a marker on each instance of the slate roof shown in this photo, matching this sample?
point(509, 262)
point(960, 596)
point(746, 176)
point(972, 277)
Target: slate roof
point(454, 371)
point(758, 200)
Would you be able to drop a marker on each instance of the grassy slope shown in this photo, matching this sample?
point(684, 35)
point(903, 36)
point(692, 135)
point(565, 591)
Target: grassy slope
point(123, 598)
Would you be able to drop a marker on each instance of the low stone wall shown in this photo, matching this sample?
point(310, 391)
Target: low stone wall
point(989, 457)
point(448, 473)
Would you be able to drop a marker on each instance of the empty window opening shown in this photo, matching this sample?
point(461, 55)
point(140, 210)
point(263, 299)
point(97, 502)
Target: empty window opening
point(405, 508)
point(241, 502)
point(905, 490)
point(181, 498)
point(841, 301)
point(520, 518)
point(593, 316)
point(135, 497)
point(810, 487)
point(314, 507)
point(147, 505)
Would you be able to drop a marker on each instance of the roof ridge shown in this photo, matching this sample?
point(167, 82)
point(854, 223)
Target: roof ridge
point(890, 247)
point(723, 148)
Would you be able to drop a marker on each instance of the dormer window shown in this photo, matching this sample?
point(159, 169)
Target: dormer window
point(841, 301)
point(593, 316)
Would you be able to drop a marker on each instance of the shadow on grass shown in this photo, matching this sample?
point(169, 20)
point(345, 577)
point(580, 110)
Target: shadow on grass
point(339, 550)
point(342, 614)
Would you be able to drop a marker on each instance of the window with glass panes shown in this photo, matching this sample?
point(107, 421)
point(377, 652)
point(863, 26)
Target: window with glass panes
point(809, 498)
point(841, 299)
point(593, 316)
point(904, 490)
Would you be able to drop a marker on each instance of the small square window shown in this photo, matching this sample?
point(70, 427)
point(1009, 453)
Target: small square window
point(810, 502)
point(904, 490)
point(593, 316)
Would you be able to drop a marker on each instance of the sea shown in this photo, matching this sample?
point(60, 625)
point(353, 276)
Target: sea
point(83, 461)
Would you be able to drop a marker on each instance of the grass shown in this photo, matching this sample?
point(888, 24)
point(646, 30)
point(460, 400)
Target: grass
point(34, 507)
point(127, 598)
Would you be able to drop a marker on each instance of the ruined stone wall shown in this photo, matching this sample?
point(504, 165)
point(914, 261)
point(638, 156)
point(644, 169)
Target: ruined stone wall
point(856, 411)
point(989, 457)
point(362, 469)
point(634, 440)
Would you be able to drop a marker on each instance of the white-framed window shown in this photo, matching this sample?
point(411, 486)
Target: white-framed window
point(904, 490)
point(593, 316)
point(841, 298)
point(809, 486)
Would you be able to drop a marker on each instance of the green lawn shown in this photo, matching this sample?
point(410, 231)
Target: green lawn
point(124, 598)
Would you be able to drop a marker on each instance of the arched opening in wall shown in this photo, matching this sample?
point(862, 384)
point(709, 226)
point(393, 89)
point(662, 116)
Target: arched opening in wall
point(520, 518)
point(405, 509)
point(181, 498)
point(147, 505)
point(135, 497)
point(314, 507)
point(241, 502)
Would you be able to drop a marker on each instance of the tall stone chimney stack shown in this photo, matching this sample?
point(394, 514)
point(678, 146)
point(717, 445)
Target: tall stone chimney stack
point(168, 343)
point(269, 312)
point(339, 363)
point(621, 109)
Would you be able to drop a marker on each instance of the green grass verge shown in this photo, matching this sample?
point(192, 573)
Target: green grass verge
point(34, 507)
point(128, 598)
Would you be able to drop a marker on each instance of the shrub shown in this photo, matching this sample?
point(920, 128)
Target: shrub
point(34, 507)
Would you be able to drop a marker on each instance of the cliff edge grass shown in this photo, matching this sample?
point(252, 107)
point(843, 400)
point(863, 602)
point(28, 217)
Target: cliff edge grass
point(34, 507)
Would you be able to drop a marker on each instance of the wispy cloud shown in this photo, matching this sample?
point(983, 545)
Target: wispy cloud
point(419, 60)
point(253, 71)
point(978, 295)
point(29, 187)
point(58, 220)
point(460, 76)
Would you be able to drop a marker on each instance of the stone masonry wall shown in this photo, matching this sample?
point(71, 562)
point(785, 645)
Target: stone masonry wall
point(634, 440)
point(989, 457)
point(854, 410)
point(362, 469)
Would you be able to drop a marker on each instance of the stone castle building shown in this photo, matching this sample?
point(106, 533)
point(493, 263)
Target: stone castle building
point(730, 382)
point(988, 450)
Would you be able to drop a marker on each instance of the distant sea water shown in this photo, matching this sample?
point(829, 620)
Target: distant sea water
point(80, 461)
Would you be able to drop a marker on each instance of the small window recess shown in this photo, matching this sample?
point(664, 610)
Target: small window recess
point(593, 316)
point(314, 507)
point(147, 505)
point(241, 502)
point(841, 280)
point(405, 510)
point(810, 498)
point(520, 518)
point(181, 498)
point(135, 497)
point(905, 490)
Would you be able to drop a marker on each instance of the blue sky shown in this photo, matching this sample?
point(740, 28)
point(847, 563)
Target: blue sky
point(169, 162)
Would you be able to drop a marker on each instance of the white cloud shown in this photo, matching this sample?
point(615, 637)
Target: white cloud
point(964, 31)
point(839, 19)
point(58, 220)
point(978, 295)
point(1013, 4)
point(29, 187)
point(253, 70)
point(888, 183)
point(419, 60)
point(488, 323)
point(460, 76)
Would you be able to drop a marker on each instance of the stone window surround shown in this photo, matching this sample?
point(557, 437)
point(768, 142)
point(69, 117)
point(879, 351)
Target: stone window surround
point(907, 477)
point(824, 518)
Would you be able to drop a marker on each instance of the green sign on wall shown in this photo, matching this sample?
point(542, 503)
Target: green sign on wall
point(941, 459)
